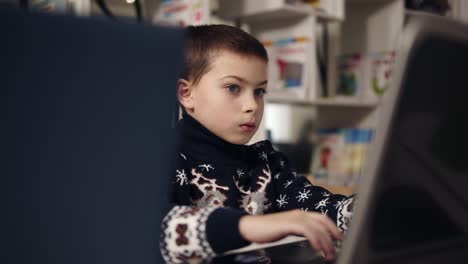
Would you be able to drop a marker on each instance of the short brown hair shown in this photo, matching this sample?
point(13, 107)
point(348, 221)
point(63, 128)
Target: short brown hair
point(205, 41)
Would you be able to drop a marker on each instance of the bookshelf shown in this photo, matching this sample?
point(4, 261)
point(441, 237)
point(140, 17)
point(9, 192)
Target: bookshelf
point(354, 26)
point(279, 20)
point(370, 26)
point(362, 26)
point(274, 19)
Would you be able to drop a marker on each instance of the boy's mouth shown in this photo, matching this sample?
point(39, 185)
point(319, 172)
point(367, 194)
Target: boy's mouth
point(248, 127)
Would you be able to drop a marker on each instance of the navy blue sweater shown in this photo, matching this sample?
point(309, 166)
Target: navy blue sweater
point(215, 183)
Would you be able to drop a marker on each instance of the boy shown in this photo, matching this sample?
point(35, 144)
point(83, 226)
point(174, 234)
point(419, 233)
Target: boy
point(227, 194)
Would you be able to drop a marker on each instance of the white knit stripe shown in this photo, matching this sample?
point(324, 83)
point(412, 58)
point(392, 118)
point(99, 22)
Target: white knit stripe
point(344, 214)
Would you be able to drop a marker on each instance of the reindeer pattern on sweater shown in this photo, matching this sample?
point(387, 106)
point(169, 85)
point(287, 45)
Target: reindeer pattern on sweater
point(252, 179)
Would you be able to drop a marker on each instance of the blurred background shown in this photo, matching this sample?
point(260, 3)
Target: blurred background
point(331, 62)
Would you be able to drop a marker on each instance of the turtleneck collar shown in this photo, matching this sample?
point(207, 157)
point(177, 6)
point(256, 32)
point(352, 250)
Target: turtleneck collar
point(198, 141)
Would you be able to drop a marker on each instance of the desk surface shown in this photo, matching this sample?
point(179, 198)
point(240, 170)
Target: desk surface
point(345, 190)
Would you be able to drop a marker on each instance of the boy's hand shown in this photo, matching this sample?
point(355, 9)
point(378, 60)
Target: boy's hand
point(317, 228)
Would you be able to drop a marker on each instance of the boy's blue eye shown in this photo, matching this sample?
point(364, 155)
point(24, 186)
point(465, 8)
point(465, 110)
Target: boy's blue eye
point(260, 92)
point(233, 88)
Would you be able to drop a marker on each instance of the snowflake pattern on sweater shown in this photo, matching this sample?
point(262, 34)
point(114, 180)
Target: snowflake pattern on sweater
point(254, 179)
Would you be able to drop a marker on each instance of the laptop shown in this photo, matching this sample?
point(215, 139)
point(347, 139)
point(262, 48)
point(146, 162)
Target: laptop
point(413, 200)
point(86, 139)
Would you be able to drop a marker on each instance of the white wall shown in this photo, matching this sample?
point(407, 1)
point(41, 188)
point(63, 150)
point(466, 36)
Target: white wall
point(372, 26)
point(286, 121)
point(459, 10)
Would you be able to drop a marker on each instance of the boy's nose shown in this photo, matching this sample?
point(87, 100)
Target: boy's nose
point(249, 104)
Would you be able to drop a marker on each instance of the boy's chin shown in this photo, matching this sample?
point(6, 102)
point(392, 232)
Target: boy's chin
point(239, 141)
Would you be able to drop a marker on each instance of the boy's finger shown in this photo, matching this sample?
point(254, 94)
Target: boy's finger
point(318, 241)
point(331, 227)
point(327, 246)
point(314, 242)
point(335, 232)
point(327, 240)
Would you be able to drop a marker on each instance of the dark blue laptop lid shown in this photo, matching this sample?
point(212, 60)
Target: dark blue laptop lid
point(86, 110)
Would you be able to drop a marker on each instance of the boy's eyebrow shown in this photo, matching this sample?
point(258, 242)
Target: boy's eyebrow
point(240, 79)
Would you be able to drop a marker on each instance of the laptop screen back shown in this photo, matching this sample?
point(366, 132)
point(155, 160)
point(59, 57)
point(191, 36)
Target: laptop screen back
point(413, 205)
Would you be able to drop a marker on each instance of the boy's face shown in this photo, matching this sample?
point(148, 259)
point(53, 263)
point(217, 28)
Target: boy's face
point(228, 99)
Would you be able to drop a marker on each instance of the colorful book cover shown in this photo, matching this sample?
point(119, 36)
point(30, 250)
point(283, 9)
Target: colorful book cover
point(358, 157)
point(328, 155)
point(346, 172)
point(368, 135)
point(289, 65)
point(272, 68)
point(382, 64)
point(340, 155)
point(352, 75)
point(183, 12)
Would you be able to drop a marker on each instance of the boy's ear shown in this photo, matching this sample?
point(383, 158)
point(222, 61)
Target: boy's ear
point(184, 94)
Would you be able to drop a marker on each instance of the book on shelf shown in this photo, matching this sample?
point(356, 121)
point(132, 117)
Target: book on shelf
point(352, 75)
point(340, 155)
point(382, 64)
point(289, 67)
point(182, 12)
point(328, 153)
point(357, 155)
point(364, 76)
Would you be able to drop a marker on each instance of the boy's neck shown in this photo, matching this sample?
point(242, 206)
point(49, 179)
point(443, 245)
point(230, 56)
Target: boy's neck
point(197, 139)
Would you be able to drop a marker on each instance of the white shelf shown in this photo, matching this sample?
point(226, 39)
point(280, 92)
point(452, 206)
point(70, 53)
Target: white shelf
point(368, 1)
point(284, 12)
point(344, 102)
point(288, 12)
point(327, 102)
point(274, 12)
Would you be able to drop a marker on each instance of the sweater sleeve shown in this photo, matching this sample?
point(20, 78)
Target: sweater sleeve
point(295, 191)
point(193, 233)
